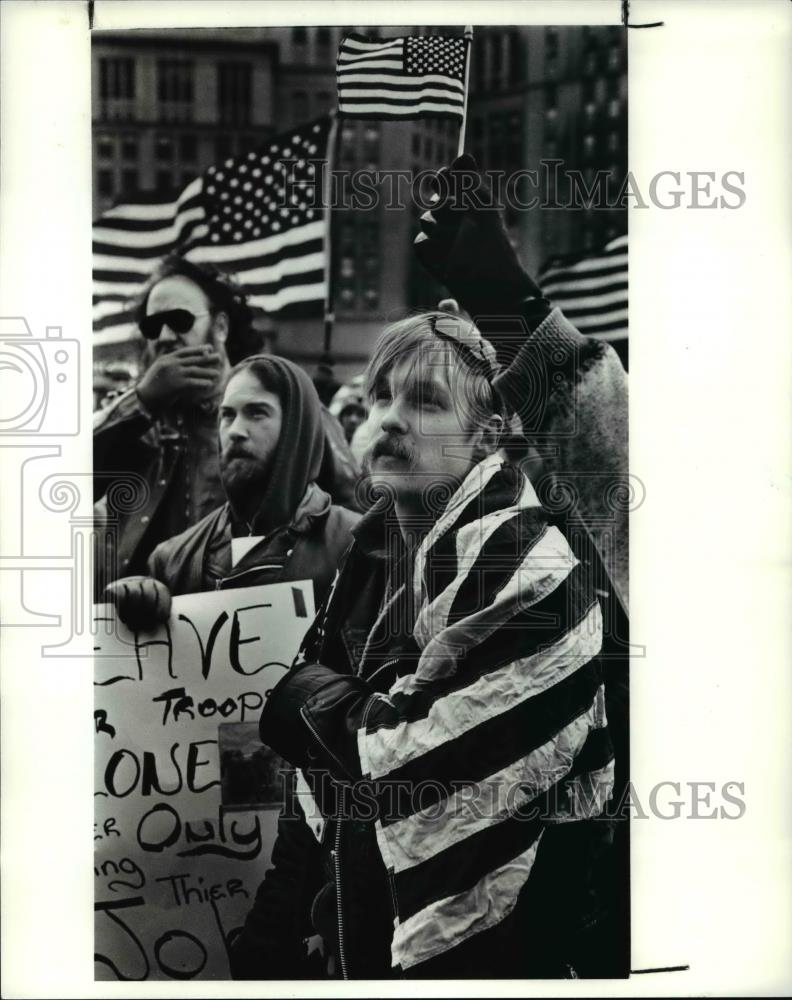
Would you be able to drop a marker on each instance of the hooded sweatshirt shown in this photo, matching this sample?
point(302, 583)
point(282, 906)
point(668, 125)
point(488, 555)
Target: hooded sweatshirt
point(300, 450)
point(302, 535)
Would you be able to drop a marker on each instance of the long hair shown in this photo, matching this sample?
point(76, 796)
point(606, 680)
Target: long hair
point(224, 295)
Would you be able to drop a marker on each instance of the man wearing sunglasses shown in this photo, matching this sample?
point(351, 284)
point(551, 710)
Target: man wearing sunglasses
point(156, 469)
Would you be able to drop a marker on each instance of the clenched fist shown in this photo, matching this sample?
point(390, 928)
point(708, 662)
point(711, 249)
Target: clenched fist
point(142, 603)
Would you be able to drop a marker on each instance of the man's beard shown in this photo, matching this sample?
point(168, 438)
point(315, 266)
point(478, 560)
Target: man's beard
point(245, 479)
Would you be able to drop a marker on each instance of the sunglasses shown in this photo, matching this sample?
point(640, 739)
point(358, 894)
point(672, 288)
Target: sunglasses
point(178, 320)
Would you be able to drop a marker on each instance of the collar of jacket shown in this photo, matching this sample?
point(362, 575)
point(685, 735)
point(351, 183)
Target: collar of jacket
point(315, 504)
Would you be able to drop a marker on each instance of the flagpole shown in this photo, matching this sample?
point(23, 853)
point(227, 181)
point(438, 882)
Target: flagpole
point(329, 314)
point(469, 40)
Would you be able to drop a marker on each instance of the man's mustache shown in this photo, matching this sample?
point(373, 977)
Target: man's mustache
point(394, 447)
point(236, 452)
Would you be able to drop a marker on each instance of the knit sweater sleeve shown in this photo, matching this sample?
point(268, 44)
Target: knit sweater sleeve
point(570, 392)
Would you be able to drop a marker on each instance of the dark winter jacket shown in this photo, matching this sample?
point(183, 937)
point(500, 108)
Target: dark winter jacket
point(309, 547)
point(472, 672)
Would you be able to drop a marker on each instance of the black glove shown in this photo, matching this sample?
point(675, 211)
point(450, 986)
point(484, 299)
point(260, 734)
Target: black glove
point(142, 603)
point(464, 244)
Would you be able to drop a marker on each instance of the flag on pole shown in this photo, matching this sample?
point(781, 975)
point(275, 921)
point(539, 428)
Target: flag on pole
point(256, 216)
point(402, 78)
point(591, 290)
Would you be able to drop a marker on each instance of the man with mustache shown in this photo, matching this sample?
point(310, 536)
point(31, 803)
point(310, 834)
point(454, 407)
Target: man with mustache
point(276, 524)
point(156, 466)
point(447, 710)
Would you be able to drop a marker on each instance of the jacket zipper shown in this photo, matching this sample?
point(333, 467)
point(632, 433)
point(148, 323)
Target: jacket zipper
point(219, 584)
point(383, 666)
point(336, 853)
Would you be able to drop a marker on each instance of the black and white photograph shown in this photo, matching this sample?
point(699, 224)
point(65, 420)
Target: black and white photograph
point(375, 437)
point(360, 316)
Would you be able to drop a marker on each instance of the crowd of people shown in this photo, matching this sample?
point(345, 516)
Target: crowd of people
point(465, 677)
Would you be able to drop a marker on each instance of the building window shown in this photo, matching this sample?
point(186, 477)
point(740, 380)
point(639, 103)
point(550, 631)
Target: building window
point(322, 102)
point(479, 81)
point(300, 35)
point(551, 43)
point(496, 136)
point(164, 180)
point(371, 137)
point(613, 108)
point(175, 91)
point(104, 183)
point(514, 140)
point(300, 111)
point(105, 148)
point(589, 144)
point(117, 79)
point(614, 58)
point(324, 40)
point(495, 60)
point(129, 148)
point(234, 93)
point(117, 88)
point(349, 143)
point(613, 142)
point(516, 58)
point(129, 181)
point(416, 144)
point(163, 148)
point(188, 148)
point(428, 149)
point(551, 123)
point(223, 147)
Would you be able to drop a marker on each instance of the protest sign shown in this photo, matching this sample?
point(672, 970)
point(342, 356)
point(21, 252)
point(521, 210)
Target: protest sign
point(186, 797)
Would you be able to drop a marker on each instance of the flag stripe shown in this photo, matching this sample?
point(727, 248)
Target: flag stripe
point(393, 82)
point(592, 290)
point(430, 831)
point(517, 687)
point(460, 916)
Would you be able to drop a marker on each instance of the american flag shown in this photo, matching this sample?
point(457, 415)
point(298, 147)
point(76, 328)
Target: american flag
point(592, 289)
point(402, 77)
point(258, 216)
